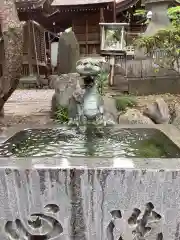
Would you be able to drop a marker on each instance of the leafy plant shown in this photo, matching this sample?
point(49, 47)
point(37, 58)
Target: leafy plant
point(124, 102)
point(102, 81)
point(140, 12)
point(61, 114)
point(167, 40)
point(174, 15)
point(143, 14)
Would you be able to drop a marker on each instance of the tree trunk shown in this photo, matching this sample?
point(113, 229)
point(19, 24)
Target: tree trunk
point(12, 32)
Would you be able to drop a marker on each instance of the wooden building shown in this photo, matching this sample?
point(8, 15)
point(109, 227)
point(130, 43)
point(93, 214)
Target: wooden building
point(82, 15)
point(54, 16)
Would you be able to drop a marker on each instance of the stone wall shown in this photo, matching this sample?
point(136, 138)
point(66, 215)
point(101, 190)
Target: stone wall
point(154, 85)
point(89, 204)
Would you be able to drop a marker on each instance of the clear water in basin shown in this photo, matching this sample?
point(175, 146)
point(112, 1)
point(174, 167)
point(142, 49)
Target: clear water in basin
point(94, 142)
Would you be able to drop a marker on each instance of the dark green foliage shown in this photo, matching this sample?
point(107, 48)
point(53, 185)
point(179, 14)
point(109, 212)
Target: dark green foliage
point(102, 81)
point(61, 115)
point(140, 12)
point(168, 40)
point(124, 102)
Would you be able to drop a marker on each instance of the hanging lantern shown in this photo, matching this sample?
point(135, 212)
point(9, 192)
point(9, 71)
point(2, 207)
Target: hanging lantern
point(113, 38)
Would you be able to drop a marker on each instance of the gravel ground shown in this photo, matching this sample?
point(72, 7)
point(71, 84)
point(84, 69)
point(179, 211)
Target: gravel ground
point(170, 99)
point(27, 102)
point(33, 106)
point(28, 106)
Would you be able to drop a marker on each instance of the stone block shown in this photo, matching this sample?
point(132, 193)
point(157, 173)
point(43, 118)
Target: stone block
point(56, 203)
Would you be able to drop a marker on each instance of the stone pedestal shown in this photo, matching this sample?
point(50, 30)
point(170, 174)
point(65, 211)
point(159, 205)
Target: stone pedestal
point(159, 18)
point(50, 202)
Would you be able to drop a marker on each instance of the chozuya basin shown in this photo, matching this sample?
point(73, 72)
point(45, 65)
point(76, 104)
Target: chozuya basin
point(85, 189)
point(90, 142)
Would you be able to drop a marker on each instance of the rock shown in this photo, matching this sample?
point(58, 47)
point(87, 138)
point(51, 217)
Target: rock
point(158, 111)
point(2, 120)
point(134, 116)
point(65, 85)
point(52, 81)
point(110, 111)
point(68, 53)
point(176, 120)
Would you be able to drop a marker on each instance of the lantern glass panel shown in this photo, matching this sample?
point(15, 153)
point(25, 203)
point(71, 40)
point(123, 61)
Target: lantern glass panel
point(113, 36)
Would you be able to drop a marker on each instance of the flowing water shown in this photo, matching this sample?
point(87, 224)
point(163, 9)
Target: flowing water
point(92, 142)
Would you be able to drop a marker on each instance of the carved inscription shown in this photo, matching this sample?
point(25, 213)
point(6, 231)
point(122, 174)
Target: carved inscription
point(141, 224)
point(40, 226)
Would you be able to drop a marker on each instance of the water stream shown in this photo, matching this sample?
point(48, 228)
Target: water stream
point(91, 142)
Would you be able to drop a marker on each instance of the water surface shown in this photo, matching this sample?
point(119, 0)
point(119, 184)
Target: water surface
point(92, 142)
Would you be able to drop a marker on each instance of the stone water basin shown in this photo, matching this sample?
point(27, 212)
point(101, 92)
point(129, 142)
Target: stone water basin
point(58, 183)
point(90, 142)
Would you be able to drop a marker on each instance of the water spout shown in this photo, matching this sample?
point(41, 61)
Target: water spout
point(90, 108)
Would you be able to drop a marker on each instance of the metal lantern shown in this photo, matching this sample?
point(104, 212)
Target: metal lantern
point(113, 38)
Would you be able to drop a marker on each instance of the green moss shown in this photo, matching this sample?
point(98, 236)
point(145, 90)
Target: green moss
point(149, 148)
point(124, 102)
point(61, 114)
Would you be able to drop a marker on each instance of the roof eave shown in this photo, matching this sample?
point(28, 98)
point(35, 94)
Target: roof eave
point(123, 5)
point(87, 4)
point(30, 4)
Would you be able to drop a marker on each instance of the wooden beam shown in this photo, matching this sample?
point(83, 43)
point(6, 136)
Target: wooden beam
point(86, 35)
point(29, 39)
point(101, 21)
point(114, 11)
point(101, 15)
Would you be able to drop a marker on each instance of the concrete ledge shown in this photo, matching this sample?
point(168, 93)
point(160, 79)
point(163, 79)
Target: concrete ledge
point(85, 198)
point(153, 85)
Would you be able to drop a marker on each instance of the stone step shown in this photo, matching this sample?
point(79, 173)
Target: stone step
point(123, 87)
point(120, 78)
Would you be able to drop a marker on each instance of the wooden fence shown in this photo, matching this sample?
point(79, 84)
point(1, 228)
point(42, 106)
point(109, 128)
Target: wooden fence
point(133, 72)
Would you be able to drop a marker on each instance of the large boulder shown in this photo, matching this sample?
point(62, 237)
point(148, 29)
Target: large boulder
point(110, 110)
point(65, 87)
point(134, 116)
point(68, 53)
point(176, 120)
point(158, 111)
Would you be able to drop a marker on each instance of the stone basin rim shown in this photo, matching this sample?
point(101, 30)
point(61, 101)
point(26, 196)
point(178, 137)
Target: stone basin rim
point(149, 164)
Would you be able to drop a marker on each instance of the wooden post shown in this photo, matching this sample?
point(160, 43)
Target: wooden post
point(101, 14)
point(49, 43)
point(112, 71)
point(29, 48)
point(101, 20)
point(72, 25)
point(114, 11)
point(86, 35)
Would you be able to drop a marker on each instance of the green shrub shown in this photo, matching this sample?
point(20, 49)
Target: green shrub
point(102, 82)
point(61, 115)
point(124, 102)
